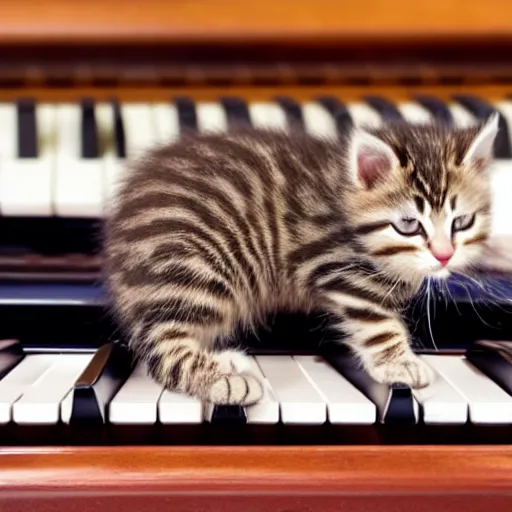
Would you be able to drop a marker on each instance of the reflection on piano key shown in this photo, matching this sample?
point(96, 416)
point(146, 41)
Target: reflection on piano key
point(11, 353)
point(136, 402)
point(488, 403)
point(41, 402)
point(494, 362)
point(395, 404)
point(96, 386)
point(345, 403)
point(299, 401)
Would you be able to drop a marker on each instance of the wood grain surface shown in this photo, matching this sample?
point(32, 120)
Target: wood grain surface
point(270, 479)
point(150, 93)
point(234, 20)
point(301, 469)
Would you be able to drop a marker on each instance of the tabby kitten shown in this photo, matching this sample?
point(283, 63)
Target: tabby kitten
point(216, 231)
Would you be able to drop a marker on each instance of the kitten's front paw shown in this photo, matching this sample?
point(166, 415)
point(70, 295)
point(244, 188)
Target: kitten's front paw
point(237, 385)
point(409, 370)
point(233, 361)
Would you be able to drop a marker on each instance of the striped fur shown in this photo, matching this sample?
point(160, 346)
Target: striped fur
point(216, 231)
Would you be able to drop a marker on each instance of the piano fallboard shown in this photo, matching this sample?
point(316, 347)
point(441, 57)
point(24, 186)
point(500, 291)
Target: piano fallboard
point(273, 479)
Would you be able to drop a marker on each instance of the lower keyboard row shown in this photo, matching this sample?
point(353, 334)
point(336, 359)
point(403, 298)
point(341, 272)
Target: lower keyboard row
point(69, 388)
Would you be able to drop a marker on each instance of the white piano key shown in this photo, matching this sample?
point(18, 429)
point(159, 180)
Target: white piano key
point(137, 400)
point(488, 403)
point(441, 402)
point(462, 118)
point(300, 402)
point(167, 122)
point(27, 184)
point(41, 402)
point(364, 115)
point(267, 116)
point(174, 407)
point(317, 121)
point(113, 166)
point(267, 409)
point(140, 128)
point(79, 182)
point(19, 379)
point(345, 403)
point(211, 118)
point(414, 113)
point(8, 131)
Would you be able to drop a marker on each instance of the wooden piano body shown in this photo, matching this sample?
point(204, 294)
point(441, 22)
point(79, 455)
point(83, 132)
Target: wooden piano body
point(61, 51)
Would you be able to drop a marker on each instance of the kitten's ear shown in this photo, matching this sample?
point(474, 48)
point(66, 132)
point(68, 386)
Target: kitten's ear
point(480, 153)
point(370, 158)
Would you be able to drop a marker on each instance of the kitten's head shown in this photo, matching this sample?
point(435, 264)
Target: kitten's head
point(421, 196)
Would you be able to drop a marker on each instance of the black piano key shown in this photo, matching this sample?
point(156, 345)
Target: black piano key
point(89, 130)
point(119, 135)
point(228, 414)
point(187, 114)
point(293, 112)
point(385, 108)
point(99, 382)
point(11, 353)
point(338, 111)
point(27, 128)
point(482, 111)
point(237, 111)
point(437, 108)
point(493, 362)
point(395, 404)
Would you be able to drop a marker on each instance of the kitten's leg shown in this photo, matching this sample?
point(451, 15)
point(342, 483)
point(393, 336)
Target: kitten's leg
point(177, 360)
point(380, 339)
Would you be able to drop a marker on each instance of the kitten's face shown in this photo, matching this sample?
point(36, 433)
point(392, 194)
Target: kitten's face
point(424, 205)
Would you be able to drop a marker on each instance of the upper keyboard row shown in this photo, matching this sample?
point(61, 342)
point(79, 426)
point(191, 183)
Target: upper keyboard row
point(64, 159)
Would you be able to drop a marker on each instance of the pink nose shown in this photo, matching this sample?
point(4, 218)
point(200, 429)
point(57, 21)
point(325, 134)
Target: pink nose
point(443, 257)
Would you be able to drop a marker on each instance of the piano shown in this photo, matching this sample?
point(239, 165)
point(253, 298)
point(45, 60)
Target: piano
point(86, 86)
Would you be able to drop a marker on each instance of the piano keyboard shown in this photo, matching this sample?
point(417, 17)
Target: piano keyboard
point(73, 154)
point(105, 388)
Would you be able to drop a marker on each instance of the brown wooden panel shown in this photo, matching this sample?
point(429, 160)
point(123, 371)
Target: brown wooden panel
point(255, 93)
point(301, 470)
point(235, 20)
point(229, 479)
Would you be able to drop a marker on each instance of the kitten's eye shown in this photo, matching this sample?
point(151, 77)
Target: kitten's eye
point(408, 226)
point(463, 222)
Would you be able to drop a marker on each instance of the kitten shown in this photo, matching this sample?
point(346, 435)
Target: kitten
point(217, 230)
